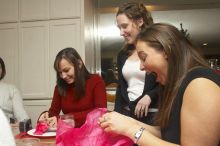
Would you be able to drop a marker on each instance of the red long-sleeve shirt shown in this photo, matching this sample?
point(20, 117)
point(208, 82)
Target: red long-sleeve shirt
point(95, 97)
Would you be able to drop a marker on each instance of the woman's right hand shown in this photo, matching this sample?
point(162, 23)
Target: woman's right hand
point(114, 122)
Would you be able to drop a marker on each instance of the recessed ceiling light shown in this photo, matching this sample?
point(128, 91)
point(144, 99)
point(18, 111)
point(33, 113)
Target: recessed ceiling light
point(205, 44)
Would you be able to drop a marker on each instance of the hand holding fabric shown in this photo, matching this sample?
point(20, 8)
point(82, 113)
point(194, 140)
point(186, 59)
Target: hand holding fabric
point(114, 122)
point(41, 127)
point(51, 121)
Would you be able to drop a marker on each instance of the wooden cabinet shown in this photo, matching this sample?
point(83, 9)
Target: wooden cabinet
point(63, 33)
point(33, 59)
point(39, 30)
point(8, 11)
point(40, 41)
point(31, 34)
point(65, 9)
point(31, 10)
point(9, 51)
point(35, 107)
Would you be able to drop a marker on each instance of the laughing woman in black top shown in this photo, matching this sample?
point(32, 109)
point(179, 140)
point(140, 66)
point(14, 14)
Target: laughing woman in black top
point(189, 113)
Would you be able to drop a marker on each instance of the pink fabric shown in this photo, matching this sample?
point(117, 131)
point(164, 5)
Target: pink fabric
point(89, 134)
point(41, 127)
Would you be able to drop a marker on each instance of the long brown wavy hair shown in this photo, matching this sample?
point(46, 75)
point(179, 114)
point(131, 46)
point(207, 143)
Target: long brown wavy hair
point(182, 56)
point(135, 11)
point(81, 73)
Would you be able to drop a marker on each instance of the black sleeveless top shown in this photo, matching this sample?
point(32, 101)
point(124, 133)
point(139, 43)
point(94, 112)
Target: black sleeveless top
point(171, 132)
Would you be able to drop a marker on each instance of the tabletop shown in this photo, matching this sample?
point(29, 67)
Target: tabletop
point(50, 141)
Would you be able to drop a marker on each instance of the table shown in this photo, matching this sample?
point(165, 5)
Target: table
point(43, 142)
point(51, 141)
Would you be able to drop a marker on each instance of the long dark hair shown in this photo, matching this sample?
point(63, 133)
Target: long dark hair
point(3, 69)
point(81, 73)
point(182, 56)
point(135, 11)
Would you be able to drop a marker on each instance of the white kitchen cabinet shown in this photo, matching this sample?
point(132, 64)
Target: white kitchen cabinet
point(35, 107)
point(33, 62)
point(32, 10)
point(9, 51)
point(63, 33)
point(41, 28)
point(65, 9)
point(40, 41)
point(8, 11)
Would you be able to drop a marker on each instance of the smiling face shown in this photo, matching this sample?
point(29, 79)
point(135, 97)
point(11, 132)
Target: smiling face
point(128, 28)
point(153, 60)
point(66, 71)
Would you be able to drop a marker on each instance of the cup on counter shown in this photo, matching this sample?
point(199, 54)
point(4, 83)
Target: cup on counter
point(68, 119)
point(28, 142)
point(25, 125)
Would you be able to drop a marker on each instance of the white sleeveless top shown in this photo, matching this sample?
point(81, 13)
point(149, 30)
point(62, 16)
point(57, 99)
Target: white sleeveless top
point(135, 78)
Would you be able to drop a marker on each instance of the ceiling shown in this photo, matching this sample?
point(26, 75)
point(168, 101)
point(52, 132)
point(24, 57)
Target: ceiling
point(182, 3)
point(201, 19)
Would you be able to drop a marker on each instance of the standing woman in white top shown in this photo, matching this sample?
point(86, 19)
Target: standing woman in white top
point(10, 100)
point(137, 90)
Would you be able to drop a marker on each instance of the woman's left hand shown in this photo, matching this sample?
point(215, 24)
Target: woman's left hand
point(142, 106)
point(52, 121)
point(114, 122)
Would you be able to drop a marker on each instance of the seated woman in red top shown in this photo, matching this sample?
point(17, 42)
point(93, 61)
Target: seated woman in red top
point(77, 91)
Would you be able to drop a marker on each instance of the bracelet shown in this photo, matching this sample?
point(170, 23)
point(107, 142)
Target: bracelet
point(138, 134)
